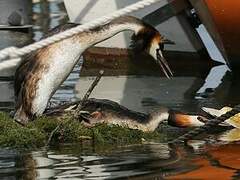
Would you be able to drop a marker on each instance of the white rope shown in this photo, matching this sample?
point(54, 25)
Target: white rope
point(13, 52)
point(9, 63)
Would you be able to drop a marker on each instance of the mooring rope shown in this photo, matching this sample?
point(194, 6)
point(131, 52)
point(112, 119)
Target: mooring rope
point(14, 52)
point(209, 124)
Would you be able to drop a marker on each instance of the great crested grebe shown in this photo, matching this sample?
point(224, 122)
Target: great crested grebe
point(43, 71)
point(95, 111)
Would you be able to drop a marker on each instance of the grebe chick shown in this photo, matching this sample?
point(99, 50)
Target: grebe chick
point(109, 112)
point(42, 72)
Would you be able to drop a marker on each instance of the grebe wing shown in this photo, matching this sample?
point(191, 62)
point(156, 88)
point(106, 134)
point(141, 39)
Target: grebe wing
point(21, 72)
point(28, 61)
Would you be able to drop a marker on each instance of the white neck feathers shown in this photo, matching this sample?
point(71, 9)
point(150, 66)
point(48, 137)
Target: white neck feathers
point(156, 118)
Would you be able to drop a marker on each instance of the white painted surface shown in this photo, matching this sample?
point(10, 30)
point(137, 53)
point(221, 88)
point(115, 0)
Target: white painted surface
point(83, 11)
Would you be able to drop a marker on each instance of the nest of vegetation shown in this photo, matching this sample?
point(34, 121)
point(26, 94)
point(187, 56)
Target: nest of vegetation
point(39, 133)
point(48, 130)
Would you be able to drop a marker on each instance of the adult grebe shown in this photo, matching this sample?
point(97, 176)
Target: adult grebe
point(97, 111)
point(43, 71)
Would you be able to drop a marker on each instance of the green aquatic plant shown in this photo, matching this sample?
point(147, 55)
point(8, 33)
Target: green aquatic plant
point(36, 133)
point(15, 135)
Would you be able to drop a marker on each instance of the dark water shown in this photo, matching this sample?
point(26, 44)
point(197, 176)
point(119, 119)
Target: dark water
point(203, 158)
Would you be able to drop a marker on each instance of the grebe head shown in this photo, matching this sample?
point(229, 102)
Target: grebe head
point(175, 118)
point(180, 119)
point(148, 39)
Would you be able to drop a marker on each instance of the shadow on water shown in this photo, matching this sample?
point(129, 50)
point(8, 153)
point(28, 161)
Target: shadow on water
point(191, 88)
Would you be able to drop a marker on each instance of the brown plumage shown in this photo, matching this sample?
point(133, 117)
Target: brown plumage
point(42, 72)
point(26, 78)
point(96, 111)
point(29, 72)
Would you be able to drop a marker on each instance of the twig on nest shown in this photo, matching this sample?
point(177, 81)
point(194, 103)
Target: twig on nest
point(88, 93)
point(60, 108)
point(52, 134)
point(79, 106)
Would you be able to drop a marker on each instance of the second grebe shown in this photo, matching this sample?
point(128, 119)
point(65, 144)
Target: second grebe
point(95, 111)
point(43, 71)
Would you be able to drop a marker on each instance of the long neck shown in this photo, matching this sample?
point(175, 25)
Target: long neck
point(104, 32)
point(157, 117)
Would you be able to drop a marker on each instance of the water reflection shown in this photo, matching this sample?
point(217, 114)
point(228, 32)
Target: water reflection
point(135, 162)
point(192, 92)
point(220, 161)
point(47, 15)
point(66, 163)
